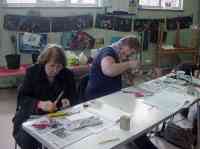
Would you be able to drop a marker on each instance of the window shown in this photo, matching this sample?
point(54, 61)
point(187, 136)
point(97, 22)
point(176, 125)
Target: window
point(21, 1)
point(161, 4)
point(52, 0)
point(92, 2)
point(53, 3)
point(150, 3)
point(83, 2)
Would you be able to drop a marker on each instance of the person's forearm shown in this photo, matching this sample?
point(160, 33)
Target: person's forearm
point(116, 69)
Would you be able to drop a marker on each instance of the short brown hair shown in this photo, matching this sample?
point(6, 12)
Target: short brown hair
point(53, 52)
point(130, 41)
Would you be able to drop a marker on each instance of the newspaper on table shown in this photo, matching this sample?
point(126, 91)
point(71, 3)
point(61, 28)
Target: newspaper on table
point(70, 129)
point(61, 137)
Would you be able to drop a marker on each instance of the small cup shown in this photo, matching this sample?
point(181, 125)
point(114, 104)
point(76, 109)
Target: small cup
point(125, 122)
point(180, 74)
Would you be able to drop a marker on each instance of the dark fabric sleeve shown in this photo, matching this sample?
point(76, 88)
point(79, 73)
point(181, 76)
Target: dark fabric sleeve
point(26, 103)
point(70, 91)
point(27, 100)
point(108, 52)
point(69, 88)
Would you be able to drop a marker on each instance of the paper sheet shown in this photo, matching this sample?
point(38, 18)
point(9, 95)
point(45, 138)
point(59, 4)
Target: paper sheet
point(81, 115)
point(98, 128)
point(107, 112)
point(107, 137)
point(168, 101)
point(154, 86)
point(61, 137)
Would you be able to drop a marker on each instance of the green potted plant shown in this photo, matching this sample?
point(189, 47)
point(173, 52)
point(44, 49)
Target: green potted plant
point(13, 60)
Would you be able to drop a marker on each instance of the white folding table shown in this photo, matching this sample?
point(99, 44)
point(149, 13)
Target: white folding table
point(145, 113)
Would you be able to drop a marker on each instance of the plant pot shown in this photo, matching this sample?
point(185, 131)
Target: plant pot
point(13, 61)
point(35, 57)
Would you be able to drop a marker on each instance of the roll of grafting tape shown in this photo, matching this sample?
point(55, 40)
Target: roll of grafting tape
point(125, 122)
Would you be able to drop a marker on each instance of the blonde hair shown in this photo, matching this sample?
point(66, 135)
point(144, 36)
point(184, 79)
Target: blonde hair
point(53, 53)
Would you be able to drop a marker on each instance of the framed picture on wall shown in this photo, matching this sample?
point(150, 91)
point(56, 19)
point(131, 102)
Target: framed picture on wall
point(22, 23)
point(31, 42)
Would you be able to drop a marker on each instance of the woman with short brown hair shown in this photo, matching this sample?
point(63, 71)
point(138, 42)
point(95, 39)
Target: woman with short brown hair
point(53, 52)
point(43, 84)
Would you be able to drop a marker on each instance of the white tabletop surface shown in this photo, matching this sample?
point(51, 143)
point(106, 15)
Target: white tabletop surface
point(145, 113)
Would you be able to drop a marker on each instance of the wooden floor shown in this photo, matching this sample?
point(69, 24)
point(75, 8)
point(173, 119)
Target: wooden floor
point(7, 110)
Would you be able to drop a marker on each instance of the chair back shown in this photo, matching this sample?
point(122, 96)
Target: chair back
point(82, 88)
point(18, 97)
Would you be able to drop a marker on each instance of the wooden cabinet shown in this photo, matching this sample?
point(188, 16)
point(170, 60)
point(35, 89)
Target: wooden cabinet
point(164, 52)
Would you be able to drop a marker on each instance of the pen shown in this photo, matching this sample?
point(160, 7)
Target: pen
point(109, 140)
point(61, 113)
point(127, 91)
point(137, 94)
point(59, 97)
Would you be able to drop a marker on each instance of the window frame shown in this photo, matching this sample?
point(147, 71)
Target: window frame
point(142, 7)
point(41, 3)
point(82, 4)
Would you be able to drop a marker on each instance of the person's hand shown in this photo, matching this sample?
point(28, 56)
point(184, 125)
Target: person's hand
point(137, 72)
point(197, 74)
point(47, 106)
point(65, 102)
point(157, 72)
point(134, 64)
point(128, 77)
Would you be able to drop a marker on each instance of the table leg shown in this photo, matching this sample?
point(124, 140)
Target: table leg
point(194, 58)
point(157, 58)
point(43, 147)
point(198, 126)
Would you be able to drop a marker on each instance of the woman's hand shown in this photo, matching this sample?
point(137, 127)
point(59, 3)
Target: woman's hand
point(134, 64)
point(47, 106)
